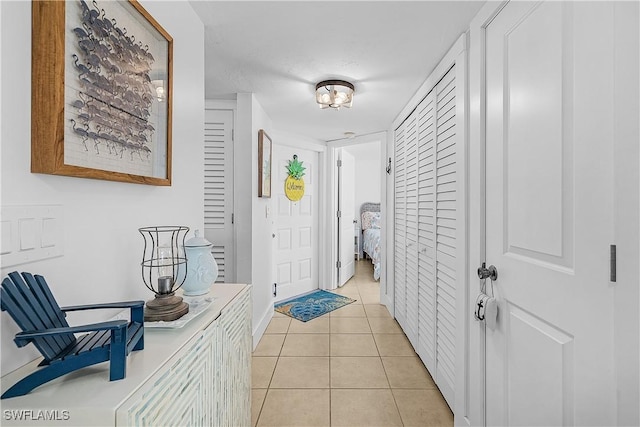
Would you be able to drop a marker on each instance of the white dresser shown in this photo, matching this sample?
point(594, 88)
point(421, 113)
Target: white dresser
point(197, 375)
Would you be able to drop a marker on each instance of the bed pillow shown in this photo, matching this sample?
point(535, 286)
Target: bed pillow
point(370, 220)
point(376, 220)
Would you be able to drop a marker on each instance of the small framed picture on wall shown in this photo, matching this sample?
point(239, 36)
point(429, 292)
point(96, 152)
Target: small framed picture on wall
point(264, 164)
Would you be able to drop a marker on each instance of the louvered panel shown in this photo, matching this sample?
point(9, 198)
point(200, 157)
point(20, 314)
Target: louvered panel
point(447, 264)
point(426, 239)
point(446, 206)
point(426, 229)
point(218, 255)
point(442, 239)
point(445, 230)
point(400, 225)
point(411, 171)
point(445, 111)
point(214, 172)
point(425, 270)
point(446, 297)
point(445, 340)
point(446, 196)
point(218, 189)
point(445, 170)
point(446, 157)
point(443, 248)
point(445, 89)
point(426, 236)
point(446, 137)
point(447, 187)
point(426, 330)
point(445, 359)
point(445, 337)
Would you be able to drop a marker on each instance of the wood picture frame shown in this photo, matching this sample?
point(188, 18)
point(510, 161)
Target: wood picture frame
point(264, 164)
point(101, 92)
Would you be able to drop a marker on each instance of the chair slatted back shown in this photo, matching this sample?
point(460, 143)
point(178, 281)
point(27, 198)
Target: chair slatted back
point(28, 300)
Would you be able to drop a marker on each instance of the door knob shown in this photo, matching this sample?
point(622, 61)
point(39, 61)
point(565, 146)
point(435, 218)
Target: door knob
point(484, 272)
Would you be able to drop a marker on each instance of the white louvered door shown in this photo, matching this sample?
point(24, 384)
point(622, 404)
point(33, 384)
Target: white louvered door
point(411, 188)
point(426, 217)
point(218, 190)
point(426, 232)
point(445, 233)
point(400, 261)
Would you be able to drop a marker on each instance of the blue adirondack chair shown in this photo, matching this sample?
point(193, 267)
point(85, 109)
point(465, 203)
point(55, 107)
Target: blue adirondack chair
point(28, 300)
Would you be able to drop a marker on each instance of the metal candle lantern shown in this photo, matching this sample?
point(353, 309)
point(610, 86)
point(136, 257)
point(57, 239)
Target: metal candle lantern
point(163, 262)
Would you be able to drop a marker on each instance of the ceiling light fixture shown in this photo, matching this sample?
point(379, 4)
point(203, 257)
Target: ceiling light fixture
point(350, 135)
point(334, 94)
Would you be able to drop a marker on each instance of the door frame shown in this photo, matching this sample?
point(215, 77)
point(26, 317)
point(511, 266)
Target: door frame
point(476, 196)
point(331, 248)
point(296, 141)
point(229, 105)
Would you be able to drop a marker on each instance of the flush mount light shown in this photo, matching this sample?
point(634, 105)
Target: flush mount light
point(349, 134)
point(334, 94)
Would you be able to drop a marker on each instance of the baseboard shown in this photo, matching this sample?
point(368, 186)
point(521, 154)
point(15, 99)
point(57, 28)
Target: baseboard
point(262, 325)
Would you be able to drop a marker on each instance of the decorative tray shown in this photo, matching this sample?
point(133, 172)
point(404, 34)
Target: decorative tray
point(196, 307)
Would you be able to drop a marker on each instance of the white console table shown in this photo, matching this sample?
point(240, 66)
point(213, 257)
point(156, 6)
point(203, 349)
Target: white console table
point(199, 374)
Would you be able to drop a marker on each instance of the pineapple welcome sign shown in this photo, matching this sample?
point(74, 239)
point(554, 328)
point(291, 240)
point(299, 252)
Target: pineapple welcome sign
point(294, 184)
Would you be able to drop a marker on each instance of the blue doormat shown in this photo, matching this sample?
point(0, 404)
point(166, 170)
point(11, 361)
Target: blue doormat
point(310, 306)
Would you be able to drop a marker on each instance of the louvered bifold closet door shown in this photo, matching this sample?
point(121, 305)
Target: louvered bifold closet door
point(446, 212)
point(411, 182)
point(218, 189)
point(426, 347)
point(400, 260)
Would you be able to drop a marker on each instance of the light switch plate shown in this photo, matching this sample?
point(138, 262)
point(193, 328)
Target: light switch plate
point(30, 233)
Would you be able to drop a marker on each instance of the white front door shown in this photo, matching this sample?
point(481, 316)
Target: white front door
point(295, 226)
point(347, 216)
point(549, 69)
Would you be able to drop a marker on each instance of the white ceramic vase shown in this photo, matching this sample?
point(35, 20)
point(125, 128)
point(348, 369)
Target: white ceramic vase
point(202, 269)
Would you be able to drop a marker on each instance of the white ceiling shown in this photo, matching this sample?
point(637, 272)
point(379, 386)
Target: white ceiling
point(279, 50)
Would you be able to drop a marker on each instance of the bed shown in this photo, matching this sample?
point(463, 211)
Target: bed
point(370, 223)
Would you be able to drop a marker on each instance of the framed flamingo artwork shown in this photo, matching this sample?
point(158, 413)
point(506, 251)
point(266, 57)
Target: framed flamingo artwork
point(101, 92)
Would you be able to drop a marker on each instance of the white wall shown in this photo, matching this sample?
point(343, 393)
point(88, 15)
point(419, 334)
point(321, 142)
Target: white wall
point(102, 245)
point(368, 175)
point(254, 221)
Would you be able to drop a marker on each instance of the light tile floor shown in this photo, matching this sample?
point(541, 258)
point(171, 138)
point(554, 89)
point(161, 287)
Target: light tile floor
point(351, 367)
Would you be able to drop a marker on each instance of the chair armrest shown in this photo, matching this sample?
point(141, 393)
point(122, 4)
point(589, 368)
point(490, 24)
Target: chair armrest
point(124, 304)
point(23, 338)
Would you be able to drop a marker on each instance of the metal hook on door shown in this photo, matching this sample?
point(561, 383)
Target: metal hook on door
point(491, 272)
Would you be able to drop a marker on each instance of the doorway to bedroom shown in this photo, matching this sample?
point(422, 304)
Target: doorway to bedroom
point(357, 195)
